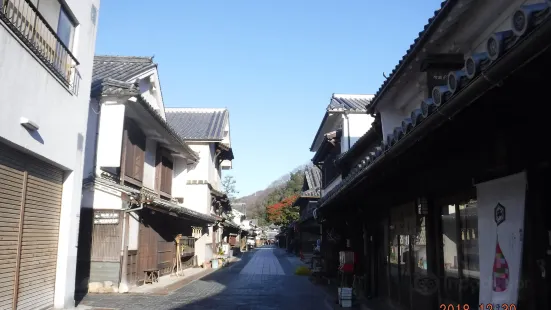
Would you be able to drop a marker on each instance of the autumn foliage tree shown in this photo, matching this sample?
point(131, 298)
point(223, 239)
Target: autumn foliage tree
point(283, 212)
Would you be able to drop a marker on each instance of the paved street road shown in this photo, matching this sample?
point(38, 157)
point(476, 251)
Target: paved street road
point(264, 279)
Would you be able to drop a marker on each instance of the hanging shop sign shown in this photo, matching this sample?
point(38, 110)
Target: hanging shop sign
point(106, 218)
point(500, 229)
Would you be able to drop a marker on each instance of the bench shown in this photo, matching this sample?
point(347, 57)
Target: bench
point(151, 276)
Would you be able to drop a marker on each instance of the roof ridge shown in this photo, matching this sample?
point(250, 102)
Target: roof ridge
point(353, 96)
point(120, 58)
point(195, 110)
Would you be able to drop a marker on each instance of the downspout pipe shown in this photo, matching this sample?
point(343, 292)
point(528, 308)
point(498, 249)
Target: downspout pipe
point(516, 58)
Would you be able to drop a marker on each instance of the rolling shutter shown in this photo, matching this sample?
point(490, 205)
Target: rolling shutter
point(11, 192)
point(28, 233)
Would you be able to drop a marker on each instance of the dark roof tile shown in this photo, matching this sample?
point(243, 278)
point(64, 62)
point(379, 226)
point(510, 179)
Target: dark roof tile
point(198, 123)
point(120, 68)
point(348, 102)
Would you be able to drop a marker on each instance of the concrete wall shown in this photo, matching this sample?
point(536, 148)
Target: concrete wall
point(104, 271)
point(30, 90)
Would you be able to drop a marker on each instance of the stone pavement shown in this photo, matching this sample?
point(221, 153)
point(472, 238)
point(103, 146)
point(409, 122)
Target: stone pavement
point(264, 279)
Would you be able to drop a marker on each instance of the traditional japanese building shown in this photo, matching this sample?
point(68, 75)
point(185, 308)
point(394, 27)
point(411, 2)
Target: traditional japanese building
point(450, 203)
point(309, 229)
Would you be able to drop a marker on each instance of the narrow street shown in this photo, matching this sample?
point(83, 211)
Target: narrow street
point(264, 279)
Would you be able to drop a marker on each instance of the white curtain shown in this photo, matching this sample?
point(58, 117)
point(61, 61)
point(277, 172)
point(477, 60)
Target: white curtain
point(500, 224)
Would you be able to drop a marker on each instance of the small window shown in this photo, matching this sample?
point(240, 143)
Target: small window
point(65, 28)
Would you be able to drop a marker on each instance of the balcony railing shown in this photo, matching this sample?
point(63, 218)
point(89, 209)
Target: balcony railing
point(23, 18)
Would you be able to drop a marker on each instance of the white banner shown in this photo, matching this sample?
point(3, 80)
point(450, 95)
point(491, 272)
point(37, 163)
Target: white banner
point(500, 230)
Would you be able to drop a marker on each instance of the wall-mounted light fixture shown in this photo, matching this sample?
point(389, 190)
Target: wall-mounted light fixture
point(28, 124)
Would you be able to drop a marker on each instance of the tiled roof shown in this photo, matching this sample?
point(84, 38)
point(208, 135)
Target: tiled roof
point(183, 211)
point(198, 123)
point(341, 103)
point(120, 68)
point(313, 177)
point(477, 73)
point(348, 102)
point(108, 86)
point(312, 183)
point(430, 27)
point(110, 77)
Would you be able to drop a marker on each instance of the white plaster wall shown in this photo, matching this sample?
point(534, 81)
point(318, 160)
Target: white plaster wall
point(197, 198)
point(104, 200)
point(203, 247)
point(152, 94)
point(180, 178)
point(145, 89)
point(214, 173)
point(149, 164)
point(133, 231)
point(29, 90)
point(200, 170)
point(392, 118)
point(358, 124)
point(110, 136)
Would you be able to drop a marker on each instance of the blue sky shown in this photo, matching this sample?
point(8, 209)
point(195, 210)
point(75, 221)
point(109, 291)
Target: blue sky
point(273, 64)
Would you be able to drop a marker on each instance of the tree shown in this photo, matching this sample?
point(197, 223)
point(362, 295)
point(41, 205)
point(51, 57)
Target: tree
point(283, 212)
point(228, 187)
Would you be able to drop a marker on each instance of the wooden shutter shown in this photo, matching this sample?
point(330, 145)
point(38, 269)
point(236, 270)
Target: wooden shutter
point(135, 151)
point(166, 184)
point(139, 154)
point(163, 172)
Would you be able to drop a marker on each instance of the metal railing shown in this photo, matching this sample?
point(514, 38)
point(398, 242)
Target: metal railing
point(24, 19)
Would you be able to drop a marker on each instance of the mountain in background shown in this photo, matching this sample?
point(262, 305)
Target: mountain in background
point(256, 202)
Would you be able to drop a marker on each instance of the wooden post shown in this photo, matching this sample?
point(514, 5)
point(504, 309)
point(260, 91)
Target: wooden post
point(178, 264)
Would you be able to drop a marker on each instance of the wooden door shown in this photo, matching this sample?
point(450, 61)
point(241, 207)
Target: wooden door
point(147, 249)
